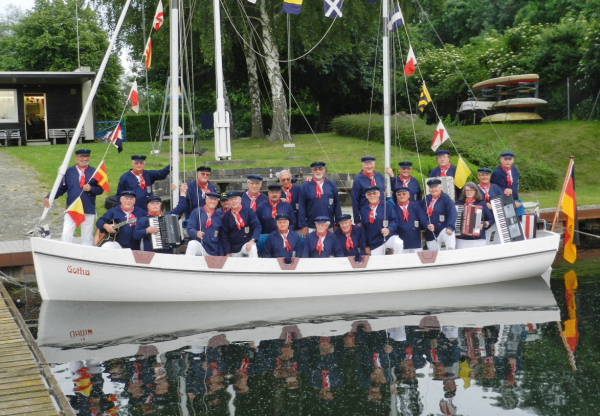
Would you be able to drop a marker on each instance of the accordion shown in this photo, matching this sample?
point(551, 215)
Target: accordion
point(468, 220)
point(447, 186)
point(169, 232)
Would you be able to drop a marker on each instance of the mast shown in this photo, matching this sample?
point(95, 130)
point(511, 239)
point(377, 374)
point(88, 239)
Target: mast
point(86, 109)
point(174, 111)
point(221, 117)
point(386, 93)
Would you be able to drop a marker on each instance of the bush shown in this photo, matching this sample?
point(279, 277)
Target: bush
point(136, 127)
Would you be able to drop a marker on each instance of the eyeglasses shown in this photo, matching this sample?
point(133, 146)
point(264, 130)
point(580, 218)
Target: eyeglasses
point(409, 168)
point(317, 168)
point(139, 162)
point(204, 174)
point(285, 179)
point(469, 190)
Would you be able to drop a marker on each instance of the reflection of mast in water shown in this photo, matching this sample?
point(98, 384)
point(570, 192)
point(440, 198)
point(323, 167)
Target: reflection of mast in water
point(570, 334)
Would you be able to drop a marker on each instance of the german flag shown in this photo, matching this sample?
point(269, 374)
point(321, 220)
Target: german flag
point(76, 212)
point(101, 177)
point(569, 207)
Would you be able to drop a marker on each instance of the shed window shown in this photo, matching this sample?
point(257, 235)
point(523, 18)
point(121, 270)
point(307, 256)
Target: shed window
point(8, 106)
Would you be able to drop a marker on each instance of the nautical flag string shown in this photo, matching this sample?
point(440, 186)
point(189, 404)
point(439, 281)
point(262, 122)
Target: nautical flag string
point(116, 138)
point(133, 97)
point(148, 53)
point(396, 19)
point(158, 16)
point(424, 99)
point(292, 6)
point(333, 8)
point(102, 177)
point(440, 136)
point(411, 62)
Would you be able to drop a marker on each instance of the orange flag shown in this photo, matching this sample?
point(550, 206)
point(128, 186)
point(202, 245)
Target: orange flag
point(569, 207)
point(101, 177)
point(148, 53)
point(76, 212)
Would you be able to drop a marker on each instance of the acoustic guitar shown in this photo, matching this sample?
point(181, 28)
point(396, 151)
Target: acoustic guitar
point(102, 236)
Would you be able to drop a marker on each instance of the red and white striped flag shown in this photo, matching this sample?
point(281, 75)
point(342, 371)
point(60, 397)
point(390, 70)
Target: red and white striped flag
point(159, 16)
point(411, 62)
point(440, 136)
point(148, 53)
point(133, 97)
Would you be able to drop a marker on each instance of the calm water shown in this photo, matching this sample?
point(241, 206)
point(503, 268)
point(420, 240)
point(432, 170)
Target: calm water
point(506, 349)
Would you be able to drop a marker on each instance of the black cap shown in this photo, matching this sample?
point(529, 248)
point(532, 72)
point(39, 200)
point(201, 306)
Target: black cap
point(343, 217)
point(434, 182)
point(233, 194)
point(322, 218)
point(371, 188)
point(405, 164)
point(282, 217)
point(404, 189)
point(274, 187)
point(213, 195)
point(367, 159)
point(224, 196)
point(484, 170)
point(153, 198)
point(138, 157)
point(507, 154)
point(442, 152)
point(130, 194)
point(317, 165)
point(203, 169)
point(254, 177)
point(83, 152)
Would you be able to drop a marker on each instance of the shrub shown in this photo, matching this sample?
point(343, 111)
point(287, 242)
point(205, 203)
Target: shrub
point(136, 127)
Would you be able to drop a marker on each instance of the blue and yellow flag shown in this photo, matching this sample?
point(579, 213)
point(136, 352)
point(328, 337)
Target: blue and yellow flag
point(291, 6)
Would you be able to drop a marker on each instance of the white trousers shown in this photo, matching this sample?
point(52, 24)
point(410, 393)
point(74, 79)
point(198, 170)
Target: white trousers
point(450, 241)
point(111, 245)
point(87, 230)
point(411, 250)
point(394, 242)
point(195, 248)
point(253, 253)
point(460, 243)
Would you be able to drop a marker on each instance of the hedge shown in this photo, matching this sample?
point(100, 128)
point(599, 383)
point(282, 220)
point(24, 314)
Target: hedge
point(136, 127)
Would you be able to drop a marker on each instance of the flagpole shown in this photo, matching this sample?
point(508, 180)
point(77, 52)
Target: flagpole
point(174, 110)
point(86, 109)
point(562, 194)
point(221, 116)
point(386, 94)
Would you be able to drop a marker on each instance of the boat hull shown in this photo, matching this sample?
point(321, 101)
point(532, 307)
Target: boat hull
point(507, 80)
point(511, 117)
point(80, 273)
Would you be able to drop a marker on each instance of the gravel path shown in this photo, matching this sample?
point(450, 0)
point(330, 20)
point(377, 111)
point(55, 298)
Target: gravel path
point(21, 200)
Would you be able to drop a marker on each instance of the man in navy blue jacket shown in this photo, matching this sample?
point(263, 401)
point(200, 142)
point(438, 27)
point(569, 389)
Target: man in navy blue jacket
point(322, 243)
point(253, 197)
point(378, 234)
point(204, 228)
point(143, 231)
point(411, 220)
point(78, 182)
point(127, 211)
point(140, 180)
point(404, 179)
point(488, 190)
point(198, 188)
point(240, 230)
point(445, 168)
point(442, 217)
point(268, 210)
point(506, 176)
point(365, 179)
point(289, 191)
point(350, 237)
point(282, 242)
point(318, 198)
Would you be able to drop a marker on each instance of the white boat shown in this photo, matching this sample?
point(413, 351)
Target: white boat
point(99, 331)
point(72, 272)
point(475, 105)
point(524, 102)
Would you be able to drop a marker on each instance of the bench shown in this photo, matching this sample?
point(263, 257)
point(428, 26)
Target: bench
point(10, 134)
point(66, 134)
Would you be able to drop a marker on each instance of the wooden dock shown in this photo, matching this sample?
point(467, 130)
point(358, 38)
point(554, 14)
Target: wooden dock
point(27, 386)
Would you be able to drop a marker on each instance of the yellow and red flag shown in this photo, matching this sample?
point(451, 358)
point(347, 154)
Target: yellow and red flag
point(102, 177)
point(569, 207)
point(148, 53)
point(76, 212)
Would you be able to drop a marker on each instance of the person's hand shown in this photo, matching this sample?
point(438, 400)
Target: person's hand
point(489, 205)
point(385, 232)
point(249, 245)
point(368, 251)
point(303, 231)
point(227, 255)
point(508, 192)
point(200, 234)
point(518, 204)
point(358, 224)
point(431, 227)
point(151, 230)
point(449, 231)
point(109, 228)
point(46, 202)
point(87, 187)
point(390, 172)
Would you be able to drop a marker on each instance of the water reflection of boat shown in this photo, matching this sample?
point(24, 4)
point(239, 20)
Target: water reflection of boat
point(70, 331)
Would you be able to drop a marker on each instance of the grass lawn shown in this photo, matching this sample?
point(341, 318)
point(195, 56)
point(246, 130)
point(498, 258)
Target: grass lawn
point(551, 142)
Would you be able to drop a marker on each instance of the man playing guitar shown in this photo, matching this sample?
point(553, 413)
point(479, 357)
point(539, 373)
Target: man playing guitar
point(115, 227)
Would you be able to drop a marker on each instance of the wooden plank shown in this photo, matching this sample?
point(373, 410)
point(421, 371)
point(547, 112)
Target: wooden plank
point(24, 389)
point(29, 409)
point(15, 351)
point(11, 382)
point(15, 365)
point(42, 413)
point(24, 372)
point(23, 396)
point(23, 404)
point(15, 358)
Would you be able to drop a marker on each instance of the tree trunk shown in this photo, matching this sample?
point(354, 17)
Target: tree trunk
point(279, 128)
point(256, 131)
point(232, 134)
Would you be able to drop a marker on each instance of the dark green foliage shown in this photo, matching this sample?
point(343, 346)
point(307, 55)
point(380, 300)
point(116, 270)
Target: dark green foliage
point(136, 127)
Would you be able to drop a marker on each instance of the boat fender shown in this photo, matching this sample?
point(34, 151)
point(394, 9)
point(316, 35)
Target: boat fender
point(215, 262)
point(285, 266)
point(143, 257)
point(427, 256)
point(358, 265)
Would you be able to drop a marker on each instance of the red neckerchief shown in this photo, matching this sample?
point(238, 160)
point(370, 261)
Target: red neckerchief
point(273, 208)
point(405, 182)
point(404, 208)
point(431, 204)
point(209, 219)
point(470, 201)
point(434, 357)
point(286, 243)
point(376, 361)
point(409, 352)
point(509, 179)
point(213, 367)
point(486, 191)
point(81, 175)
point(204, 188)
point(320, 240)
point(325, 379)
point(140, 179)
point(373, 213)
point(443, 171)
point(349, 242)
point(238, 218)
point(128, 215)
point(371, 176)
point(319, 187)
point(252, 201)
point(155, 215)
point(244, 367)
point(288, 194)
